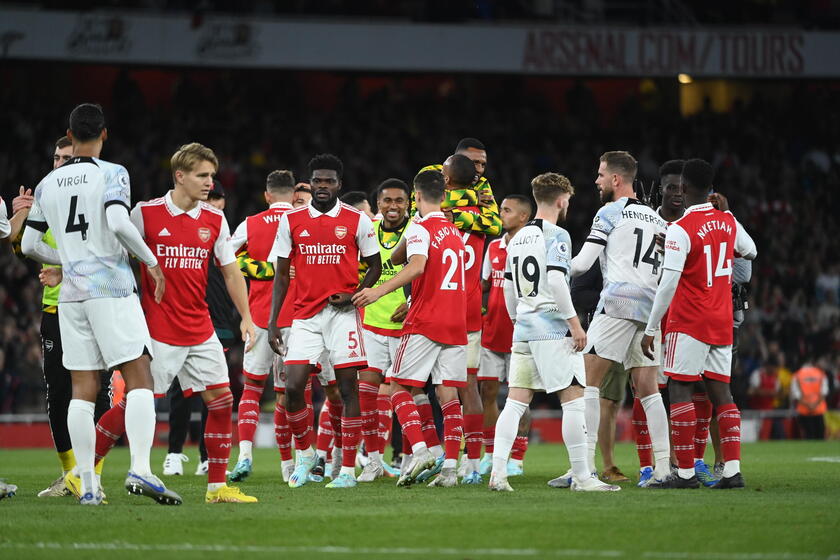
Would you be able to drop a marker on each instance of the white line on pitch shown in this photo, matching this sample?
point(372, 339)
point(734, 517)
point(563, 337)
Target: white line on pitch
point(443, 551)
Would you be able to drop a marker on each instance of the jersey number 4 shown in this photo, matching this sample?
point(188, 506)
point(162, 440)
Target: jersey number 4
point(650, 257)
point(72, 225)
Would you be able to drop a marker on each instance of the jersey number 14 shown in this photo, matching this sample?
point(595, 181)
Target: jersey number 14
point(650, 257)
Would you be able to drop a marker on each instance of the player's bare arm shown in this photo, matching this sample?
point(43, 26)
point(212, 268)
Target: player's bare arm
point(412, 270)
point(278, 295)
point(20, 211)
point(235, 284)
point(399, 255)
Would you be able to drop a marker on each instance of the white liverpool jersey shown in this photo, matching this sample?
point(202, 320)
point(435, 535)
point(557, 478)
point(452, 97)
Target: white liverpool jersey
point(71, 201)
point(534, 250)
point(630, 263)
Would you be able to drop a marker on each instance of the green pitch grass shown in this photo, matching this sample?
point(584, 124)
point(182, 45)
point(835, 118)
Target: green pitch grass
point(790, 510)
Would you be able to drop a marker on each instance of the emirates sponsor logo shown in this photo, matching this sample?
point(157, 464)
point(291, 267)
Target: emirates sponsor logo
point(340, 231)
point(204, 234)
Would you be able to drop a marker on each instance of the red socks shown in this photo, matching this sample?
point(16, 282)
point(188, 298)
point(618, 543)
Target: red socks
point(729, 424)
point(109, 429)
point(383, 405)
point(703, 410)
point(335, 410)
point(351, 432)
point(644, 447)
point(325, 431)
point(249, 411)
point(520, 446)
point(282, 433)
point(473, 431)
point(489, 436)
point(301, 425)
point(217, 435)
point(368, 394)
point(424, 409)
point(683, 425)
point(453, 428)
point(409, 418)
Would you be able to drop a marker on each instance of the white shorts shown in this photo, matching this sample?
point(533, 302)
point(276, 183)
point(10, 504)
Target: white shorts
point(419, 358)
point(620, 340)
point(545, 365)
point(473, 352)
point(688, 359)
point(381, 350)
point(338, 331)
point(198, 368)
point(494, 365)
point(256, 364)
point(102, 333)
point(322, 368)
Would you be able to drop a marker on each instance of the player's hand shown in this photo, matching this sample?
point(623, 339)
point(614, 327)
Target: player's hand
point(719, 201)
point(160, 282)
point(400, 313)
point(50, 277)
point(365, 297)
point(291, 272)
point(246, 327)
point(578, 338)
point(23, 201)
point(275, 340)
point(647, 346)
point(485, 199)
point(340, 300)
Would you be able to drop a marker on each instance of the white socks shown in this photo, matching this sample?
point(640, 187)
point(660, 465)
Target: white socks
point(436, 450)
point(592, 399)
point(657, 421)
point(140, 428)
point(418, 447)
point(506, 428)
point(576, 438)
point(83, 437)
point(375, 457)
point(245, 450)
point(731, 468)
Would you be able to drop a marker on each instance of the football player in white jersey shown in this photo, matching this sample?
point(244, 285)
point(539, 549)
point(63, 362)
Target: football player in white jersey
point(85, 203)
point(547, 335)
point(623, 235)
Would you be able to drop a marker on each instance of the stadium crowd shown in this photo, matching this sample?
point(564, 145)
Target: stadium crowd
point(779, 174)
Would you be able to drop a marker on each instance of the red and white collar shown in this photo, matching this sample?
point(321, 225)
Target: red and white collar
point(332, 212)
point(281, 205)
point(176, 211)
point(700, 207)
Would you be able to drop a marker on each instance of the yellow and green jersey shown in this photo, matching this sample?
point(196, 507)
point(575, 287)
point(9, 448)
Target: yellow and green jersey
point(378, 315)
point(49, 301)
point(469, 216)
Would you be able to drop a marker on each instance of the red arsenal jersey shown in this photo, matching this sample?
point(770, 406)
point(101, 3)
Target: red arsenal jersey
point(701, 245)
point(474, 251)
point(438, 307)
point(497, 330)
point(325, 250)
point(257, 234)
point(183, 243)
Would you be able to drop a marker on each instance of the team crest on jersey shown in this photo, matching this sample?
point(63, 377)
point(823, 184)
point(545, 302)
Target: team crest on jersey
point(340, 231)
point(204, 234)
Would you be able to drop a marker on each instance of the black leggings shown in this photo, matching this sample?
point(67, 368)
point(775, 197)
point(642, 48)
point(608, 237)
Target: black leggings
point(180, 410)
point(60, 384)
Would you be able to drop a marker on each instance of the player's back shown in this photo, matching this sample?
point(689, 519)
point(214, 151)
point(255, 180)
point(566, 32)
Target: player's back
point(73, 199)
point(438, 296)
point(538, 247)
point(262, 230)
point(630, 264)
point(473, 255)
point(702, 304)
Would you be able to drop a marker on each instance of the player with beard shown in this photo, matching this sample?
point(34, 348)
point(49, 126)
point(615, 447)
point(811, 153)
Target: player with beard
point(623, 236)
point(324, 241)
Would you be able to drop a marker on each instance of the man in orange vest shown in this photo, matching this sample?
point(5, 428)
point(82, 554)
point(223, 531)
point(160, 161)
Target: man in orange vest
point(809, 390)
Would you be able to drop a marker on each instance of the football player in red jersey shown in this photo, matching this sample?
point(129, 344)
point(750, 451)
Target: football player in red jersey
point(185, 232)
point(696, 291)
point(324, 241)
point(497, 334)
point(434, 331)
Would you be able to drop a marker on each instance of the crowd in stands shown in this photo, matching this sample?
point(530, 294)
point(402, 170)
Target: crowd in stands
point(776, 155)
